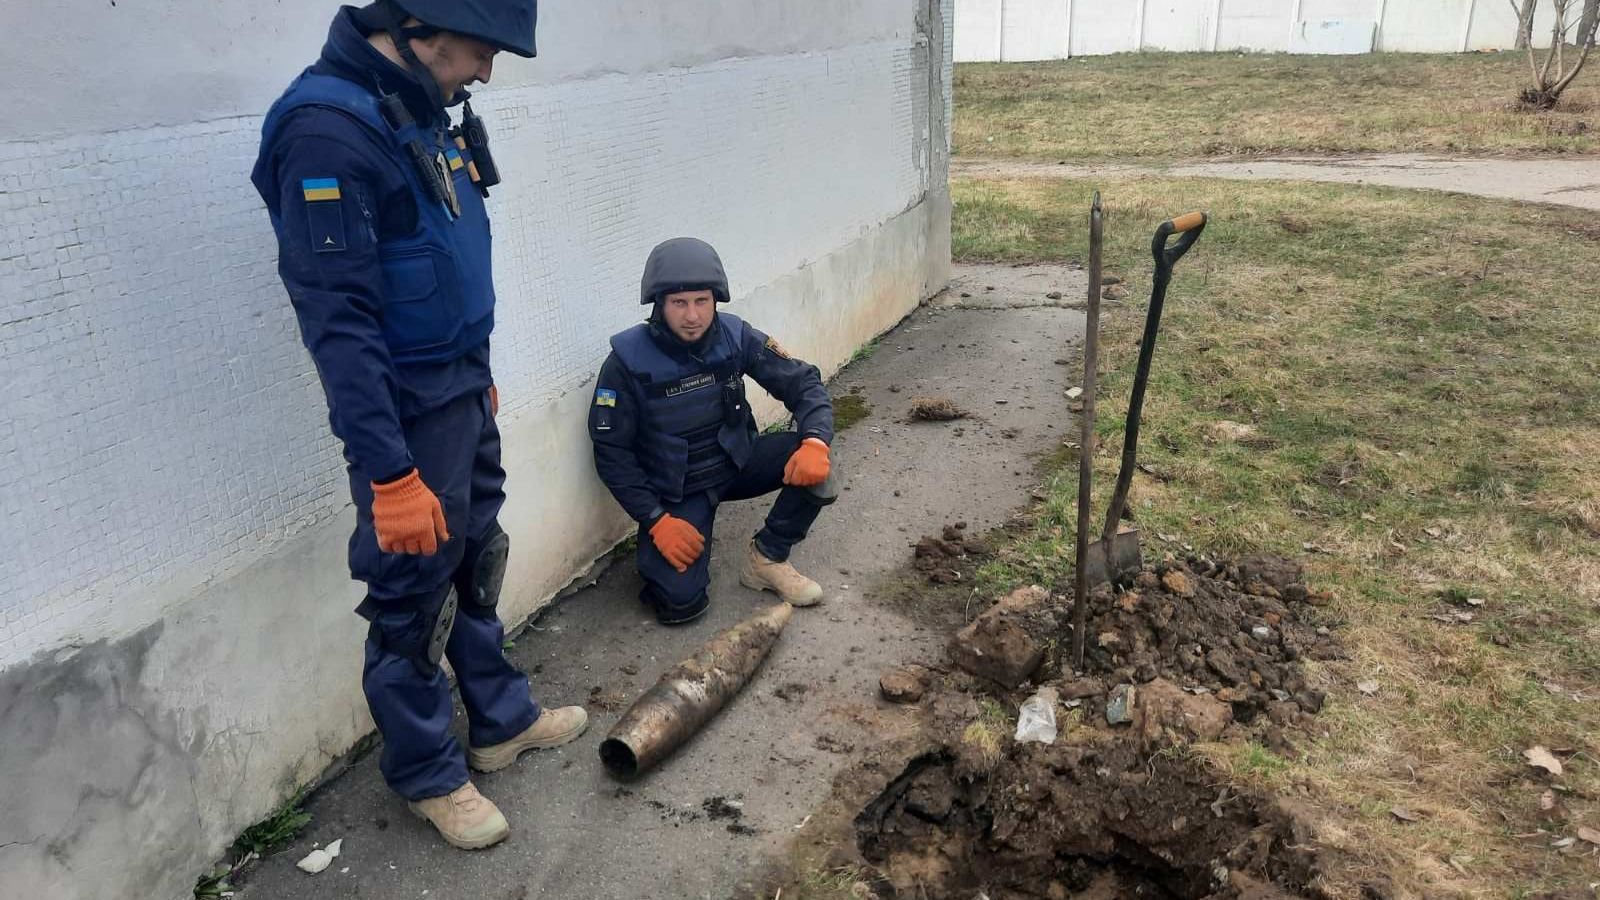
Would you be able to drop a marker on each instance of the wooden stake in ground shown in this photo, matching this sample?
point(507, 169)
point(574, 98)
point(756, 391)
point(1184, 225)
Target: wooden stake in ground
point(1091, 349)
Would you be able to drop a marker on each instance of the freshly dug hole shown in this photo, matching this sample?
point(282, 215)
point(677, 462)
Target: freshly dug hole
point(1198, 650)
point(1082, 819)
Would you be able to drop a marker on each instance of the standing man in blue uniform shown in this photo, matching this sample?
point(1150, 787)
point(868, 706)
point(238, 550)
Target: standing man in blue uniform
point(383, 244)
point(673, 436)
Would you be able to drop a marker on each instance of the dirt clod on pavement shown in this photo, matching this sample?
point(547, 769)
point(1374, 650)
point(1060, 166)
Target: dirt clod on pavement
point(942, 556)
point(935, 409)
point(902, 684)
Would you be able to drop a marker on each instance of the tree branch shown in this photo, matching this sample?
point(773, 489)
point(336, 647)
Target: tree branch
point(1575, 69)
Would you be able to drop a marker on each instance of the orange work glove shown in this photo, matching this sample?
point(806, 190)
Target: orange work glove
point(494, 402)
point(407, 517)
point(680, 542)
point(809, 465)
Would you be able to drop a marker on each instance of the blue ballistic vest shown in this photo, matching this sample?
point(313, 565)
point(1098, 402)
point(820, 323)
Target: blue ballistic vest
point(696, 430)
point(438, 288)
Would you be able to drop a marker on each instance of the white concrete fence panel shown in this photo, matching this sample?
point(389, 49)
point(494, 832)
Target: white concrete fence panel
point(1028, 30)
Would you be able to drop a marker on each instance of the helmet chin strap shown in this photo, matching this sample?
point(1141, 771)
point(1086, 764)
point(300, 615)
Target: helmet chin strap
point(402, 38)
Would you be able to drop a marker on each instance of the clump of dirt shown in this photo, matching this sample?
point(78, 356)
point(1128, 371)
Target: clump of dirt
point(941, 557)
point(606, 700)
point(791, 692)
point(935, 409)
point(723, 809)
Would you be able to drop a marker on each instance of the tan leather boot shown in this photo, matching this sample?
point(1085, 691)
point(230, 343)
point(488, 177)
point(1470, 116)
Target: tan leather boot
point(553, 728)
point(762, 574)
point(464, 818)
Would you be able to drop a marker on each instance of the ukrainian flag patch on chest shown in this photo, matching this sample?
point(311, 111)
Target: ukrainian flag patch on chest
point(605, 397)
point(316, 189)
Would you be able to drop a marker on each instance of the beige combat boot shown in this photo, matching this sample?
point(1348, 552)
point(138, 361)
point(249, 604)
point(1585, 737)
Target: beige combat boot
point(762, 574)
point(553, 728)
point(464, 818)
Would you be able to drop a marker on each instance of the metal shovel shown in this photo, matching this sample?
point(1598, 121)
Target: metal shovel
point(1117, 551)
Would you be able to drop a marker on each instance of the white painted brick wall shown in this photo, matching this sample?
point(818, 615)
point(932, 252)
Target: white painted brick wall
point(160, 423)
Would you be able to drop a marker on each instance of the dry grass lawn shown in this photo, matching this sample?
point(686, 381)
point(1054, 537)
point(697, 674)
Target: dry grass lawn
point(1158, 106)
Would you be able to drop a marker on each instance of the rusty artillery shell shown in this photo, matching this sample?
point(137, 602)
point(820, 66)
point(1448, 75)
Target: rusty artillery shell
point(690, 694)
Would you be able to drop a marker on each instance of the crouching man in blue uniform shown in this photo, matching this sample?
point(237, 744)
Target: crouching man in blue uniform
point(674, 437)
point(383, 244)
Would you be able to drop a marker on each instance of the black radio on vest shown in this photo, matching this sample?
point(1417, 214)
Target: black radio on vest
point(399, 118)
point(477, 138)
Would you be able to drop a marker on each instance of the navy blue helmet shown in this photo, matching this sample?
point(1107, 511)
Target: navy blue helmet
point(683, 264)
point(507, 24)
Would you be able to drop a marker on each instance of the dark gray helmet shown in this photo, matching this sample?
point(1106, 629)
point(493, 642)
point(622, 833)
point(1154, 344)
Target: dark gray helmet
point(507, 24)
point(683, 264)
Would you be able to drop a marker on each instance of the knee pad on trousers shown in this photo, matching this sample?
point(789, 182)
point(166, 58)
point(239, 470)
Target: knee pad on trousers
point(670, 613)
point(828, 491)
point(483, 573)
point(419, 632)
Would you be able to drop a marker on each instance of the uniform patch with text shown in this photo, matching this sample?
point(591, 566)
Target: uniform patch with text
point(692, 383)
point(777, 349)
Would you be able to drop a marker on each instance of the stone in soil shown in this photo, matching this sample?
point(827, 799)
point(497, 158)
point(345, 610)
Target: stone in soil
point(901, 685)
point(998, 645)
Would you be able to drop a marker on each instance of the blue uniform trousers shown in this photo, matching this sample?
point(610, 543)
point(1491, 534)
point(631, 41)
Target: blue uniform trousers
point(456, 449)
point(682, 597)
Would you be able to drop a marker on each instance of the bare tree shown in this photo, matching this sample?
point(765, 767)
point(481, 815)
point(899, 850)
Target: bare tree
point(1525, 23)
point(1590, 20)
point(1552, 76)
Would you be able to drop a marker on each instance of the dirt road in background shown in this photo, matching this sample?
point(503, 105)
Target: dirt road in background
point(1568, 182)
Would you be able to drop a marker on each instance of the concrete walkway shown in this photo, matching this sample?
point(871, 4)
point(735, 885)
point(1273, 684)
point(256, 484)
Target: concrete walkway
point(1568, 182)
point(575, 831)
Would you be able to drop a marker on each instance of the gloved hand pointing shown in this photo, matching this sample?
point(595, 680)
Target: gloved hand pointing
point(680, 542)
point(809, 466)
point(407, 517)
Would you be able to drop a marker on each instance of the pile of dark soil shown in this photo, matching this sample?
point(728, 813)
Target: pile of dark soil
point(1236, 630)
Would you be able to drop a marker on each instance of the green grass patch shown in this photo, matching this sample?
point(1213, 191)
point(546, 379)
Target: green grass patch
point(269, 835)
point(1178, 106)
point(848, 409)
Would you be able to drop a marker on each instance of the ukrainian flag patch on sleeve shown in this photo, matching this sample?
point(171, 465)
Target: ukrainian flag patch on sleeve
point(320, 189)
point(324, 214)
point(605, 397)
